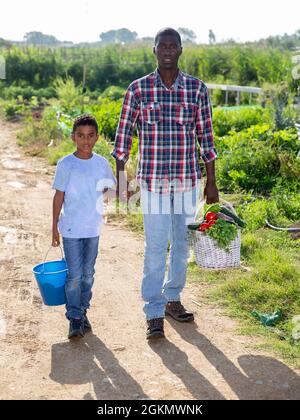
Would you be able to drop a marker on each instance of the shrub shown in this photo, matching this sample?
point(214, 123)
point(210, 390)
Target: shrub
point(226, 120)
point(112, 93)
point(107, 115)
point(69, 95)
point(256, 158)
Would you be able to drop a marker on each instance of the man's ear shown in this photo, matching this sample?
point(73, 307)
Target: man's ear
point(154, 51)
point(73, 137)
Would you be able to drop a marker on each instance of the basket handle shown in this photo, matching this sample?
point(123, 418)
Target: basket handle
point(221, 200)
point(62, 256)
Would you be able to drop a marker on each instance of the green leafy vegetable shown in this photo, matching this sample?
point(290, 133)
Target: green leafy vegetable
point(223, 232)
point(215, 208)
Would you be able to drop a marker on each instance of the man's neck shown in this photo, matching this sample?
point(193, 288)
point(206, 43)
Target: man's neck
point(168, 76)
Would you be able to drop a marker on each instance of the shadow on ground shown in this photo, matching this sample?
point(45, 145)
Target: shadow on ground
point(88, 360)
point(259, 377)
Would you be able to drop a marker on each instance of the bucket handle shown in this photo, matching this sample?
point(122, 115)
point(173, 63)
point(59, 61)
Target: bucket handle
point(221, 200)
point(62, 256)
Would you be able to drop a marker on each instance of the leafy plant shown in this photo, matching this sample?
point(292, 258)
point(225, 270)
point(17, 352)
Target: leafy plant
point(227, 120)
point(223, 232)
point(13, 109)
point(68, 93)
point(256, 158)
point(107, 115)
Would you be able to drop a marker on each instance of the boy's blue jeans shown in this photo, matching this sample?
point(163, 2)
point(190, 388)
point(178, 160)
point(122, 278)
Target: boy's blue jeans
point(81, 257)
point(166, 217)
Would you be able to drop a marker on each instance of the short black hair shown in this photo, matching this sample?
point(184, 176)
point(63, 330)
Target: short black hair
point(167, 31)
point(85, 119)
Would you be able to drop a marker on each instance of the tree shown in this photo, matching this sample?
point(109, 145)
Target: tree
point(108, 37)
point(187, 35)
point(4, 43)
point(148, 39)
point(125, 36)
point(118, 36)
point(38, 38)
point(211, 37)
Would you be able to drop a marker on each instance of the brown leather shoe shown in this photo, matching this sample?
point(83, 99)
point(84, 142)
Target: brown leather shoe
point(177, 311)
point(155, 328)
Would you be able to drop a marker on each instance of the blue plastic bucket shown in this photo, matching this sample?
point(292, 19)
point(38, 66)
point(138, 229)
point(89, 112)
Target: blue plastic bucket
point(51, 278)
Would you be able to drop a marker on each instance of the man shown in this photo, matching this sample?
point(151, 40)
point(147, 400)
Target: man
point(170, 109)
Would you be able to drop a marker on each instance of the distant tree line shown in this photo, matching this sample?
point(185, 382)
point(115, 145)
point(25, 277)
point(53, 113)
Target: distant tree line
point(124, 36)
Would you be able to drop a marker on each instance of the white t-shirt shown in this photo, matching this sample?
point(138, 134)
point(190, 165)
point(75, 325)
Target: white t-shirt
point(82, 181)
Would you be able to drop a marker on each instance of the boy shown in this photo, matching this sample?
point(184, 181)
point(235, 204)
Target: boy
point(81, 178)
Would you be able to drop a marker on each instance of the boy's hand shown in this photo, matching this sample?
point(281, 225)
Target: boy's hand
point(55, 237)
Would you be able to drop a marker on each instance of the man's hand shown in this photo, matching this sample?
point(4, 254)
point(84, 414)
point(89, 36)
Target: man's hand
point(211, 192)
point(122, 184)
point(55, 237)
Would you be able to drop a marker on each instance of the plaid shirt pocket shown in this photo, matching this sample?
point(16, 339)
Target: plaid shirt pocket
point(151, 112)
point(185, 113)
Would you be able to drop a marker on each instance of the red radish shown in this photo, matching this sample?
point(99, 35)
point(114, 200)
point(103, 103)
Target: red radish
point(211, 222)
point(203, 227)
point(211, 216)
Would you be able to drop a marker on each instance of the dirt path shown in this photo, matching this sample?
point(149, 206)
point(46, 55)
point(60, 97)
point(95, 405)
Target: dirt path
point(204, 360)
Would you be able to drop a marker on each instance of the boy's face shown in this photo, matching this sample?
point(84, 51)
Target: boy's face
point(85, 137)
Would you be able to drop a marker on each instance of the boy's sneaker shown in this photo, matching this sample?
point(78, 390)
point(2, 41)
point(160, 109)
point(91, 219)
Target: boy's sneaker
point(76, 328)
point(86, 324)
point(155, 328)
point(177, 311)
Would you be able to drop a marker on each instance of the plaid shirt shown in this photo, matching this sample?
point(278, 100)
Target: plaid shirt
point(168, 121)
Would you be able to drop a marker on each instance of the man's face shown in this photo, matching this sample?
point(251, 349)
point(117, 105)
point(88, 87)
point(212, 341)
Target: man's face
point(167, 51)
point(85, 137)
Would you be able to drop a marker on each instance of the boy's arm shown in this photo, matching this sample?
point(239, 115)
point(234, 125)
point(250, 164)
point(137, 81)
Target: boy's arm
point(58, 200)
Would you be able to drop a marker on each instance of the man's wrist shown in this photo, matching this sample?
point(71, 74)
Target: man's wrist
point(210, 181)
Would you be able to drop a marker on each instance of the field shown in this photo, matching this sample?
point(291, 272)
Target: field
point(257, 171)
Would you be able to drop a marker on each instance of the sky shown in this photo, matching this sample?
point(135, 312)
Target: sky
point(84, 20)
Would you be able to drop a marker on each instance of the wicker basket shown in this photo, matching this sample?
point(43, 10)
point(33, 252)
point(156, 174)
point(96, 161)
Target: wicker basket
point(207, 252)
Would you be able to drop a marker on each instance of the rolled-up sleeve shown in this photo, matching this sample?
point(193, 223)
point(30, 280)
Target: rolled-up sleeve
point(128, 117)
point(204, 128)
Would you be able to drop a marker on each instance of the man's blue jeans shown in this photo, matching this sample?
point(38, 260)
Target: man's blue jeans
point(81, 257)
point(166, 217)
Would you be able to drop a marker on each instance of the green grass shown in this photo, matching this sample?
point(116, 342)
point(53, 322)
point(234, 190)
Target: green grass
point(273, 283)
point(64, 148)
